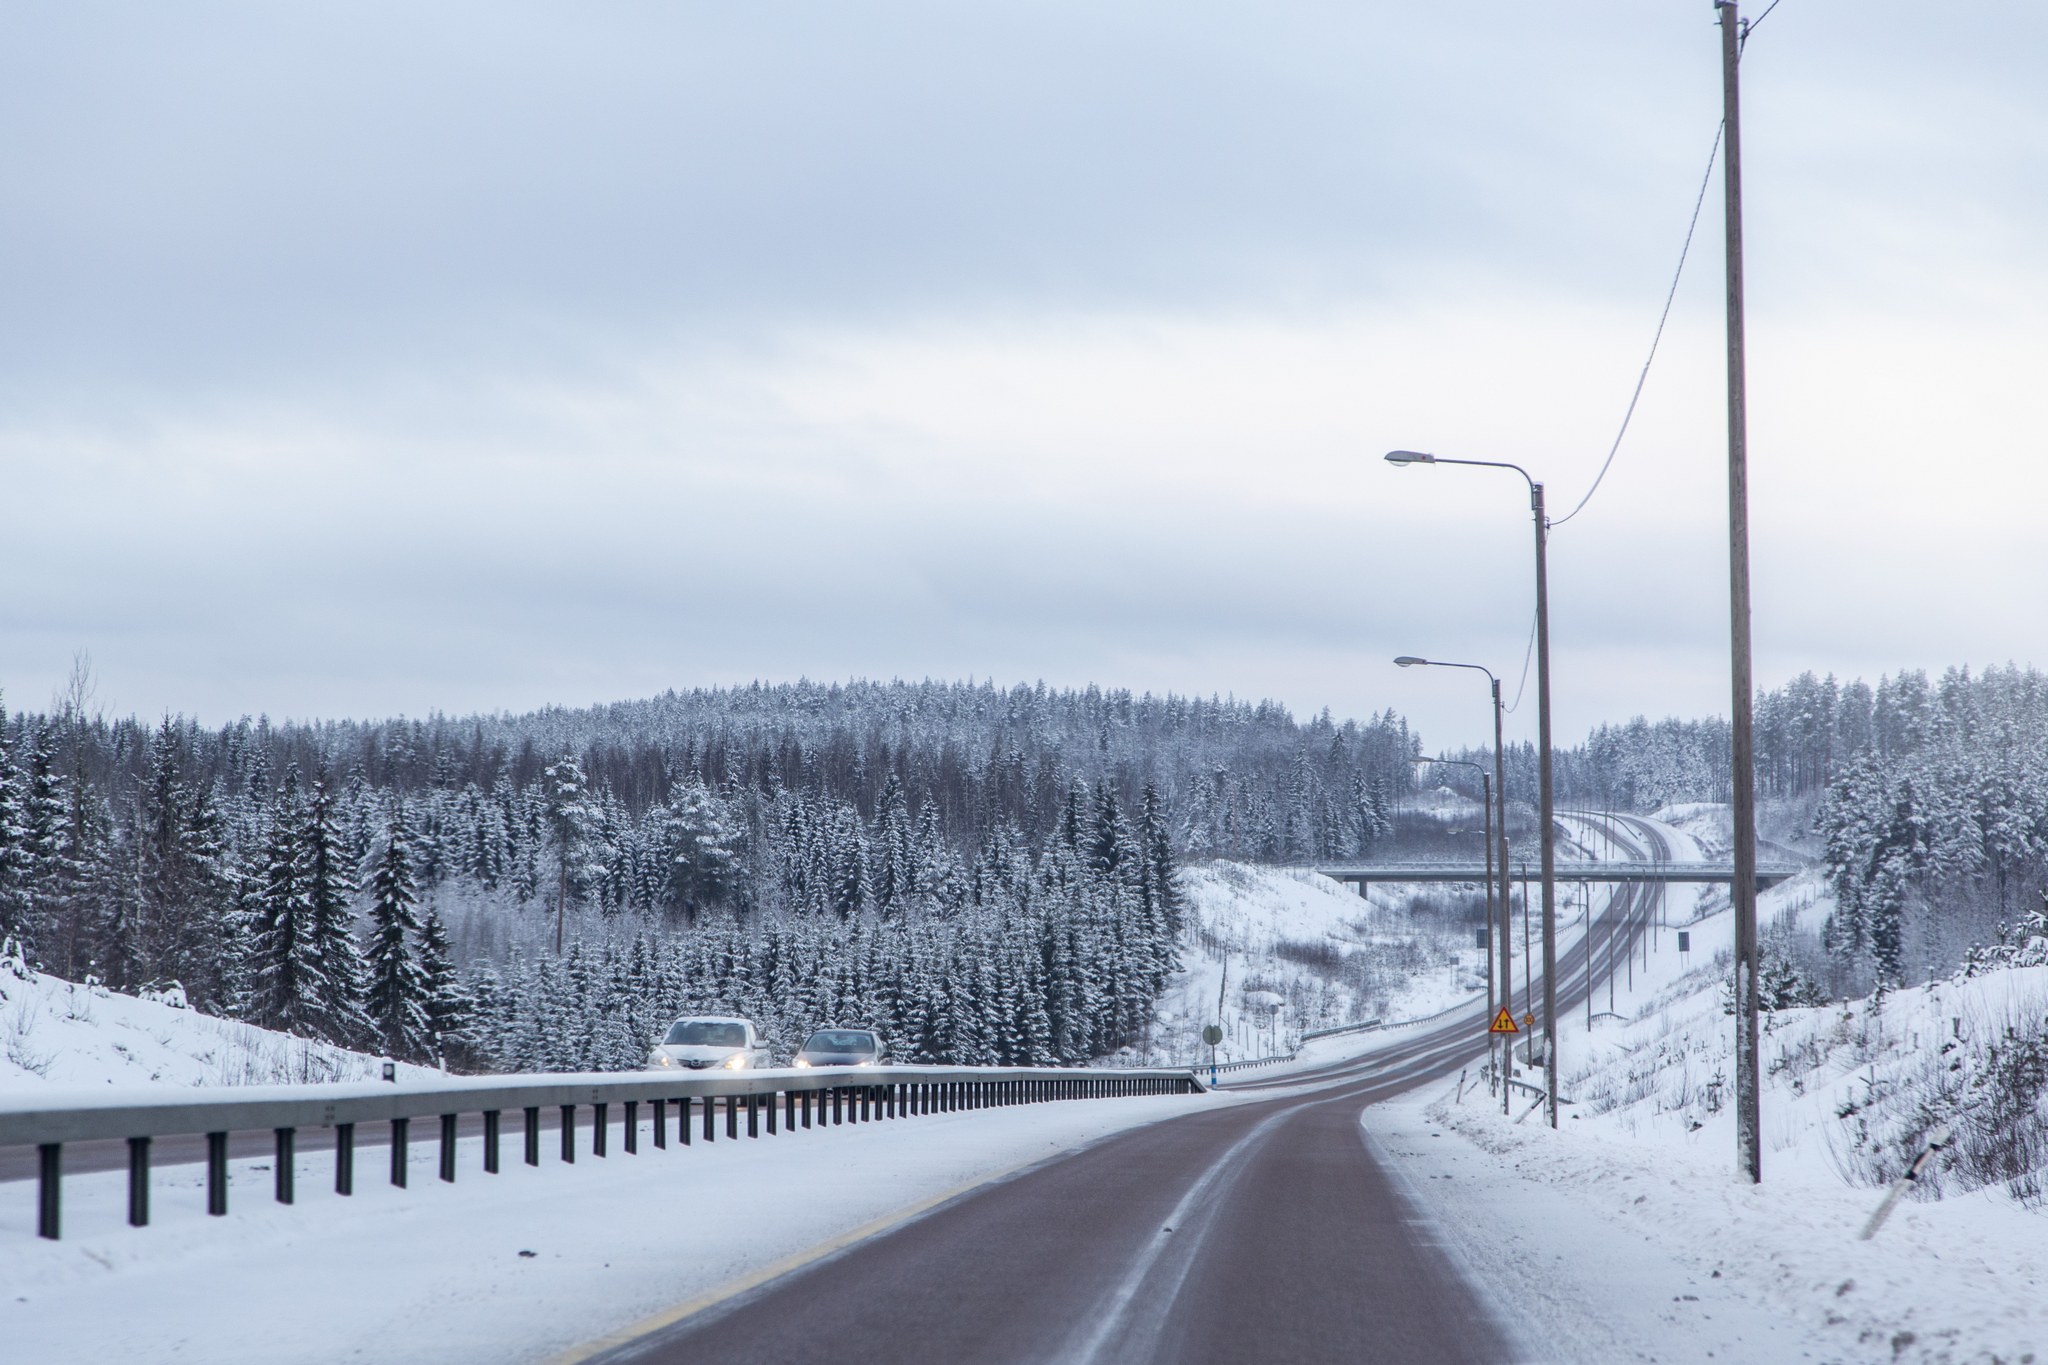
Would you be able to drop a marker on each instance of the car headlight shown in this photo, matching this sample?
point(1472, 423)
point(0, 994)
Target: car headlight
point(736, 1062)
point(801, 1062)
point(659, 1058)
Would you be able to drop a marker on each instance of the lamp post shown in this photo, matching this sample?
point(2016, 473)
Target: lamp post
point(1549, 842)
point(1500, 834)
point(1486, 811)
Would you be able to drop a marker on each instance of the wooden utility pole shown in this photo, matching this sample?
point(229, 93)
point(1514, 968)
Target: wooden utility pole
point(1544, 795)
point(1748, 1145)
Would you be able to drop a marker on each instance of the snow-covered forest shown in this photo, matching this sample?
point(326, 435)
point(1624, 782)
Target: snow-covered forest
point(1927, 800)
point(986, 874)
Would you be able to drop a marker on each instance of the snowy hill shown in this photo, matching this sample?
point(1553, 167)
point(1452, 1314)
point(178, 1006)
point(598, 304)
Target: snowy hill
point(64, 1033)
point(1276, 952)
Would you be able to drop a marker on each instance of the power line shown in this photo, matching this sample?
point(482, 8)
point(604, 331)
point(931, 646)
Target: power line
point(1662, 318)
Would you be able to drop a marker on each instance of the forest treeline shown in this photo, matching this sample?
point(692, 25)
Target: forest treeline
point(1928, 798)
point(753, 842)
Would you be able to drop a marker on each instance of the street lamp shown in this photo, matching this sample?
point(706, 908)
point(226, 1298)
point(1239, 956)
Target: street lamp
point(1408, 457)
point(1486, 811)
point(1500, 796)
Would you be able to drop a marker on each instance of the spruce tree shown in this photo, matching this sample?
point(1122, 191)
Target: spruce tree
point(400, 994)
point(287, 983)
point(330, 892)
point(14, 853)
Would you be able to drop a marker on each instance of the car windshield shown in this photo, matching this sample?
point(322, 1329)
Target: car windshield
point(706, 1033)
point(840, 1040)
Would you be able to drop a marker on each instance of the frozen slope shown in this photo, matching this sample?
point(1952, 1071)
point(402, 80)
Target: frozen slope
point(1646, 1158)
point(1272, 953)
point(59, 1033)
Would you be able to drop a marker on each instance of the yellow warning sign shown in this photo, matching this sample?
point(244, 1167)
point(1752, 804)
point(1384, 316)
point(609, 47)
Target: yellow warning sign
point(1504, 1023)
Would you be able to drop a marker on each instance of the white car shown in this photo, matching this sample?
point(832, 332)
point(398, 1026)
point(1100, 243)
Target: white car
point(702, 1042)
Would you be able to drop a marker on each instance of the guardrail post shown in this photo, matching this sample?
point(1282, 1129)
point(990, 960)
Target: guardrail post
point(569, 1133)
point(344, 1158)
point(284, 1163)
point(838, 1105)
point(533, 1135)
point(217, 1174)
point(683, 1120)
point(807, 1108)
point(789, 1110)
point(732, 1117)
point(771, 1104)
point(399, 1132)
point(49, 1176)
point(448, 1148)
point(490, 1142)
point(867, 1097)
point(711, 1118)
point(632, 1129)
point(753, 1116)
point(661, 1123)
point(599, 1115)
point(138, 1182)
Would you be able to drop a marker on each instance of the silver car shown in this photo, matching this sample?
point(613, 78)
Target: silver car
point(702, 1042)
point(841, 1047)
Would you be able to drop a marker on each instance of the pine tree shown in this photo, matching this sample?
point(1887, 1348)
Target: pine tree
point(567, 813)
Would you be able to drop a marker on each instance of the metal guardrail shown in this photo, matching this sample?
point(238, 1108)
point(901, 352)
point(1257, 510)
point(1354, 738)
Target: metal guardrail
point(1574, 870)
point(1253, 1061)
point(855, 1094)
point(1341, 1028)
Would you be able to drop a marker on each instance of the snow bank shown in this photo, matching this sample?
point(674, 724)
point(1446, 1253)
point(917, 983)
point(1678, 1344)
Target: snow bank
point(1647, 1154)
point(64, 1033)
point(512, 1267)
point(1965, 1279)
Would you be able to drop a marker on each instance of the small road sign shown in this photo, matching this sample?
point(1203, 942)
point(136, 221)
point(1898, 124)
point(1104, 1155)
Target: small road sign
point(1212, 1034)
point(1684, 941)
point(1504, 1022)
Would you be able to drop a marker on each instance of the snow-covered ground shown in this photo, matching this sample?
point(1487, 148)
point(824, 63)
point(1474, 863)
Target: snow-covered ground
point(1272, 953)
point(518, 1266)
point(61, 1033)
point(1640, 1182)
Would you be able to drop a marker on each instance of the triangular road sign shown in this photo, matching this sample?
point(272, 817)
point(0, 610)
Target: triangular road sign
point(1504, 1022)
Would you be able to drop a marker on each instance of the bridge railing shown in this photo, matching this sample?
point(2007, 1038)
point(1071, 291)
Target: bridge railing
point(800, 1097)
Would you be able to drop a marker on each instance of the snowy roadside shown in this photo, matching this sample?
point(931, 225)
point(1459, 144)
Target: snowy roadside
point(515, 1267)
point(58, 1035)
point(1609, 1248)
point(1568, 1271)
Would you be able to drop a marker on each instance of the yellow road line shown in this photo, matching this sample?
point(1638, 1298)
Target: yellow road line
point(668, 1317)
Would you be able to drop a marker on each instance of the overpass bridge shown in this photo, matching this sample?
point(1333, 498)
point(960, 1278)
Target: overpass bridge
point(1574, 870)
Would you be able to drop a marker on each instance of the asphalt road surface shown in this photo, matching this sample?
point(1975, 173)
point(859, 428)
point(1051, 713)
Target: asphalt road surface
point(1263, 1232)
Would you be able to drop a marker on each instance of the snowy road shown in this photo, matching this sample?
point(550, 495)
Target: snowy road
point(1036, 1233)
point(1267, 1230)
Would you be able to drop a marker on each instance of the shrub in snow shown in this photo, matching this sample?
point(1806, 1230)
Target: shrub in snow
point(2026, 946)
point(172, 996)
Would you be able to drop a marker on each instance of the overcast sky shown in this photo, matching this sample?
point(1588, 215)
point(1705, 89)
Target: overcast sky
point(364, 359)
